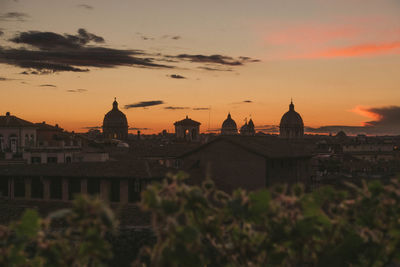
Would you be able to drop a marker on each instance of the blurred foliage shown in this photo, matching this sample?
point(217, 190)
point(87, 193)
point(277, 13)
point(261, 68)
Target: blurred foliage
point(202, 226)
point(71, 237)
point(282, 226)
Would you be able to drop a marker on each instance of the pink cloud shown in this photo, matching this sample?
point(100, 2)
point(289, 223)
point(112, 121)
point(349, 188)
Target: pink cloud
point(312, 34)
point(366, 112)
point(356, 51)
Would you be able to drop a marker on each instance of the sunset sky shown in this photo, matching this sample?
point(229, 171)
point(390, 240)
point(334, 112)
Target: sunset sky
point(65, 61)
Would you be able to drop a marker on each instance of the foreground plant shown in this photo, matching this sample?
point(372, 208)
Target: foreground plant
point(202, 226)
point(71, 237)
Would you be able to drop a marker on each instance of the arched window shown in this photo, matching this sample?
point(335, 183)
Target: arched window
point(32, 140)
point(13, 140)
point(26, 140)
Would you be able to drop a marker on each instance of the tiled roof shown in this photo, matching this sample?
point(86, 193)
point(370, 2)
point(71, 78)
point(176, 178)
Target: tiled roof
point(116, 169)
point(265, 146)
point(13, 121)
point(187, 122)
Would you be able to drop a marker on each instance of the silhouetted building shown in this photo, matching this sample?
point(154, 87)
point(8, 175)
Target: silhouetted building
point(248, 128)
point(115, 124)
point(229, 126)
point(291, 125)
point(16, 134)
point(248, 162)
point(187, 129)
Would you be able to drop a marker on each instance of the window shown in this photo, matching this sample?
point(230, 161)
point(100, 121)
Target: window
point(13, 143)
point(36, 188)
point(93, 186)
point(36, 160)
point(114, 191)
point(26, 140)
point(55, 188)
point(74, 186)
point(1, 143)
point(51, 159)
point(134, 190)
point(3, 187)
point(68, 159)
point(19, 187)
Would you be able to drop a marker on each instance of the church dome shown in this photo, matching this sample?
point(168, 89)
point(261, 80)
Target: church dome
point(291, 124)
point(115, 117)
point(115, 124)
point(229, 126)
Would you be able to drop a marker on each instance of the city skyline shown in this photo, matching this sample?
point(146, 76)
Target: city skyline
point(338, 60)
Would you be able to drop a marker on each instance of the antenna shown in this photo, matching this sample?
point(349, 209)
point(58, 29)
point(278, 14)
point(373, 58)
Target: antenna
point(209, 117)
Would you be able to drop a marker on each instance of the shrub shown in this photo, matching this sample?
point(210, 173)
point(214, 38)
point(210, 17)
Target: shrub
point(72, 237)
point(202, 226)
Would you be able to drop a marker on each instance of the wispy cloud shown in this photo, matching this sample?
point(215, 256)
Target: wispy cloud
point(176, 76)
point(14, 16)
point(144, 104)
point(175, 108)
point(201, 108)
point(47, 85)
point(85, 6)
point(80, 90)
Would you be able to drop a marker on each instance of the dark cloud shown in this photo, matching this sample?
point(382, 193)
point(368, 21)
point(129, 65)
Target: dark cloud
point(216, 59)
point(388, 117)
point(47, 85)
point(51, 52)
point(388, 123)
point(1, 32)
point(214, 68)
point(243, 102)
point(55, 41)
point(176, 76)
point(172, 37)
point(80, 90)
point(139, 129)
point(16, 16)
point(146, 38)
point(144, 104)
point(3, 79)
point(84, 6)
point(92, 127)
point(201, 108)
point(267, 128)
point(176, 108)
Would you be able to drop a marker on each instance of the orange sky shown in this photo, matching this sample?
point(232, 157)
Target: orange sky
point(330, 56)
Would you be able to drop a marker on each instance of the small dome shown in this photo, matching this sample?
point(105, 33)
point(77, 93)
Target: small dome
point(229, 126)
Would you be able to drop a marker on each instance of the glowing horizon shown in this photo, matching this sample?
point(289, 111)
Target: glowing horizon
point(250, 59)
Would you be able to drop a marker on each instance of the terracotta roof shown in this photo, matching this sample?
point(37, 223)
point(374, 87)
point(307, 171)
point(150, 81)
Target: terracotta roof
point(13, 121)
point(265, 146)
point(116, 169)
